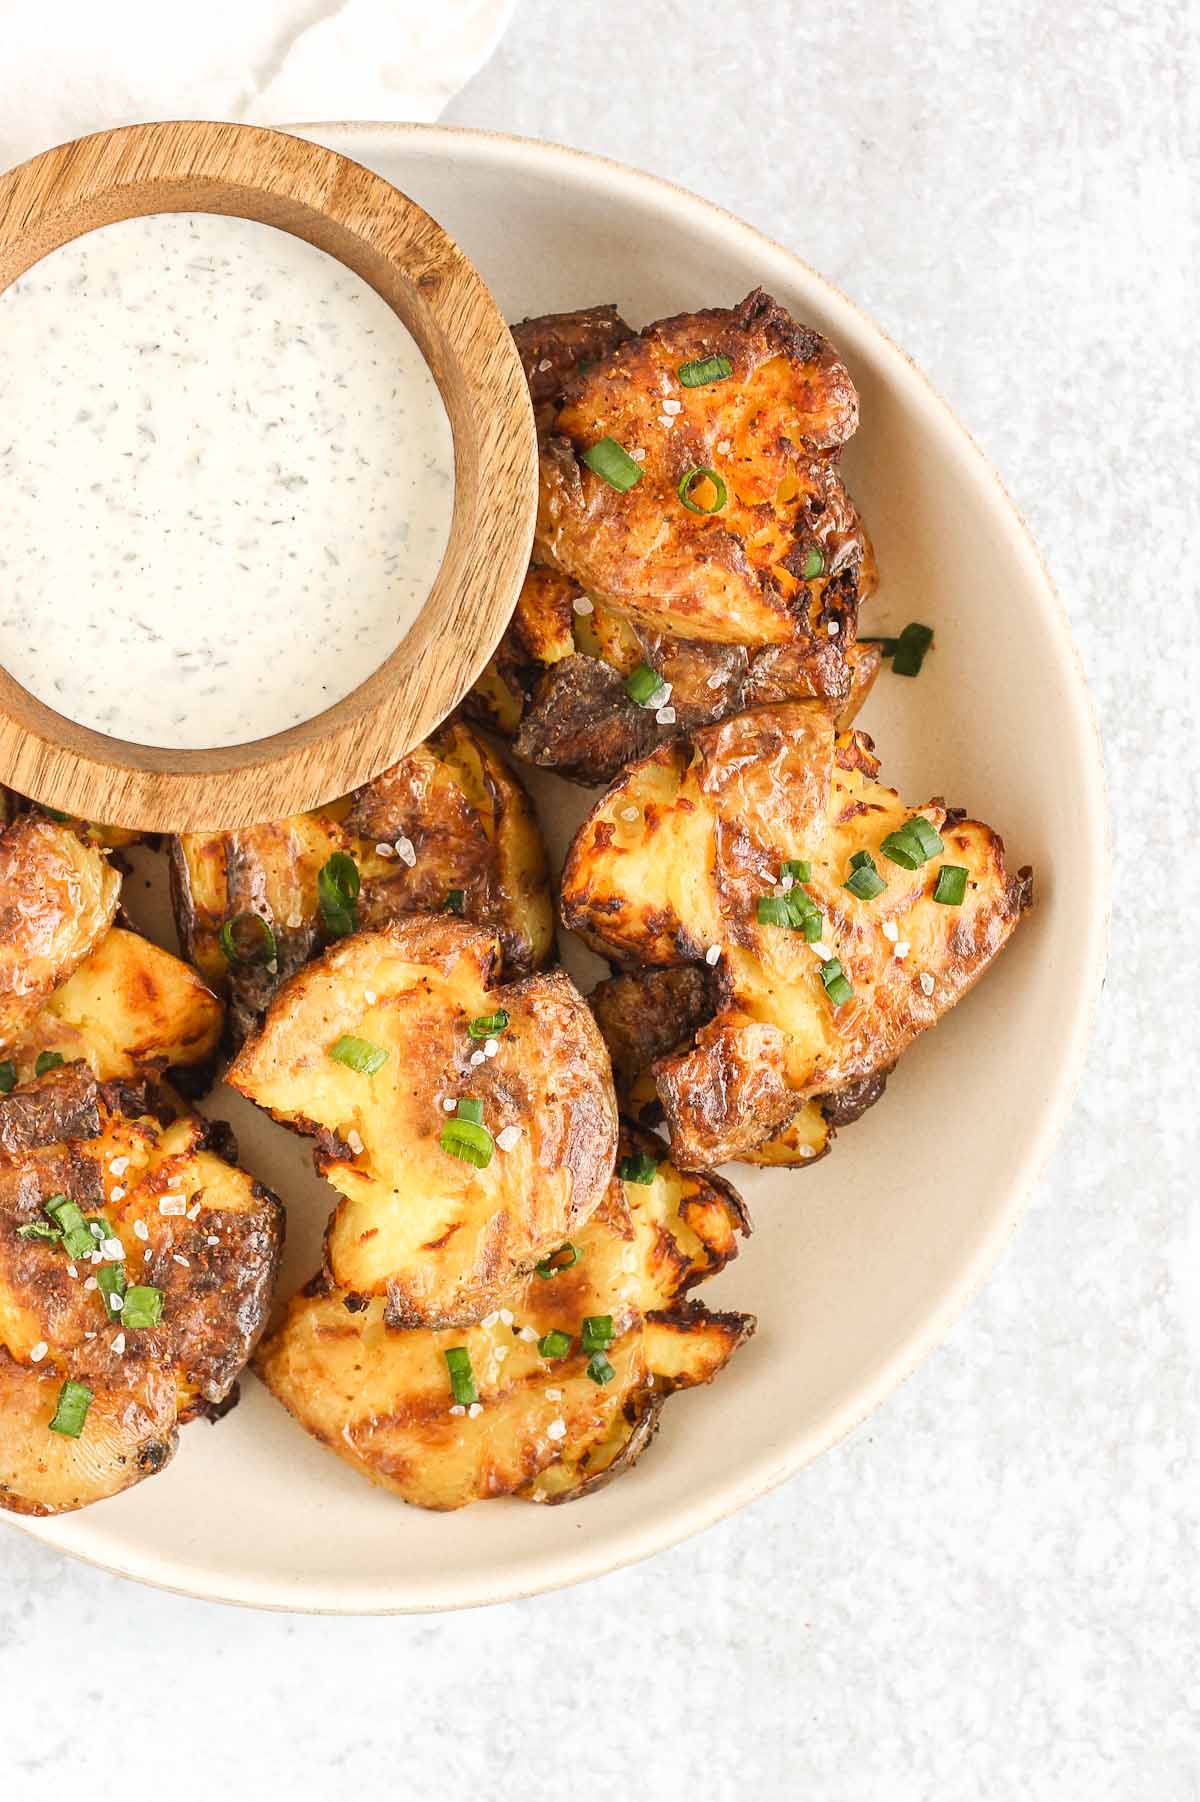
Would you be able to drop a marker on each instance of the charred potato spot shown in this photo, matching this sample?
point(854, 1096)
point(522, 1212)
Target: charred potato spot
point(435, 1235)
point(462, 822)
point(710, 822)
point(379, 1395)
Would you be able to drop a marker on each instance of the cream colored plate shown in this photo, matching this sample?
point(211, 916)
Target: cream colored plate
point(857, 1267)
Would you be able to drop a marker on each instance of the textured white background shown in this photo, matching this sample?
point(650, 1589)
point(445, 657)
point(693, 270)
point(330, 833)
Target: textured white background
point(992, 1590)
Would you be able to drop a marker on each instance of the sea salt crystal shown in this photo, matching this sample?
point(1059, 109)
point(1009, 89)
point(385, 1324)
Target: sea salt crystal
point(582, 605)
point(37, 1352)
point(553, 1395)
point(475, 1059)
point(449, 1104)
point(890, 930)
point(672, 407)
point(638, 454)
point(927, 983)
point(544, 365)
point(458, 1408)
point(118, 1343)
point(822, 950)
point(383, 849)
point(491, 1047)
point(631, 813)
point(557, 1429)
point(713, 954)
point(354, 1141)
point(172, 1204)
point(119, 1166)
point(212, 1239)
point(900, 949)
point(180, 1259)
point(406, 851)
point(665, 716)
point(370, 997)
point(833, 628)
point(140, 1230)
point(112, 1250)
point(506, 1315)
point(475, 1410)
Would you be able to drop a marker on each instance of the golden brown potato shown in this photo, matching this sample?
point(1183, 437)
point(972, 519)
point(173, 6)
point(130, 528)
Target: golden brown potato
point(542, 1428)
point(674, 862)
point(778, 556)
point(450, 819)
point(57, 900)
point(439, 1237)
point(212, 1257)
point(553, 346)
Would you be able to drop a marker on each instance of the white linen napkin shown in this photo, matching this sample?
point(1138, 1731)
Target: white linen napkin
point(72, 66)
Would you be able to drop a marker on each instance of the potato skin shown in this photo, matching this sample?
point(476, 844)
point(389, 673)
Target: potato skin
point(471, 826)
point(435, 1236)
point(553, 345)
point(714, 817)
point(379, 1396)
point(215, 1263)
point(58, 897)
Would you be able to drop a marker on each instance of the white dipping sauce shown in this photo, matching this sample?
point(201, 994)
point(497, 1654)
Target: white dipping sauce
point(226, 480)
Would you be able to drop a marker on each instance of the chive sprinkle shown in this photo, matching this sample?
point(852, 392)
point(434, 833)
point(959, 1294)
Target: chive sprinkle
point(558, 1261)
point(613, 464)
point(455, 902)
point(338, 886)
point(8, 1076)
point(47, 1061)
point(74, 1400)
point(143, 1307)
point(599, 1369)
point(864, 880)
point(110, 1281)
point(702, 372)
point(797, 868)
point(358, 1054)
point(796, 910)
point(464, 1138)
point(40, 1230)
point(689, 481)
point(489, 1026)
point(913, 844)
point(837, 985)
point(596, 1333)
point(643, 683)
point(951, 885)
point(640, 1168)
point(469, 1108)
point(554, 1344)
point(247, 939)
point(68, 1217)
point(462, 1377)
point(813, 565)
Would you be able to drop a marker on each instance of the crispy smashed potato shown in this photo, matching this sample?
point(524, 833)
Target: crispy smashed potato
point(434, 1234)
point(212, 1256)
point(676, 859)
point(58, 897)
point(542, 1428)
point(553, 346)
point(450, 819)
point(775, 559)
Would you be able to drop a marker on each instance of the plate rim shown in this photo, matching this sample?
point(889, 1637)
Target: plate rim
point(580, 1563)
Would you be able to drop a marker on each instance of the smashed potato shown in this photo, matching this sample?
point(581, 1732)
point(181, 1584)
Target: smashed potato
point(436, 1234)
point(448, 822)
point(676, 862)
point(58, 897)
point(542, 1427)
point(178, 1231)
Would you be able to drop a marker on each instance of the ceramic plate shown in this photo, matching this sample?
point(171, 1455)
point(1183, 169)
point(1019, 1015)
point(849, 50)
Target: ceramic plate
point(858, 1266)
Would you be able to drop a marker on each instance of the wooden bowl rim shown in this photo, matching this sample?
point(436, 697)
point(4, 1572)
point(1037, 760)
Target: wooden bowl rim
point(278, 179)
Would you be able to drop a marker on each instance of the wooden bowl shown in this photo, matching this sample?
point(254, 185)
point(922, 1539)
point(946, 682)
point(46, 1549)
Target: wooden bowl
point(403, 254)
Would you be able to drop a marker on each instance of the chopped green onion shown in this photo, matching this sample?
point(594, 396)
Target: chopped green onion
point(52, 813)
point(797, 869)
point(910, 650)
point(559, 1260)
point(640, 1168)
point(110, 1280)
point(702, 372)
point(596, 1333)
point(247, 939)
point(143, 1307)
point(488, 1026)
point(338, 886)
point(467, 1140)
point(773, 910)
point(67, 1216)
point(688, 482)
point(599, 1369)
point(455, 902)
point(951, 885)
point(913, 844)
point(462, 1377)
point(554, 1344)
point(613, 465)
point(795, 910)
point(837, 986)
point(8, 1076)
point(864, 879)
point(469, 1108)
point(74, 1400)
point(47, 1061)
point(643, 683)
point(813, 565)
point(40, 1229)
point(358, 1054)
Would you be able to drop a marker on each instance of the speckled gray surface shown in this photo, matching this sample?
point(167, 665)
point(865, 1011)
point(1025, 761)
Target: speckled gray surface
point(991, 1591)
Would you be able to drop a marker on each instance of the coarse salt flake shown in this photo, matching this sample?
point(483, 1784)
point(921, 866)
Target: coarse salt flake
point(179, 1258)
point(582, 605)
point(37, 1352)
point(890, 930)
point(718, 679)
point(900, 948)
point(119, 1166)
point(927, 983)
point(458, 1408)
point(544, 365)
point(529, 1334)
point(193, 1212)
point(787, 883)
point(492, 1319)
point(665, 421)
point(672, 407)
point(665, 716)
point(475, 1410)
point(72, 1270)
point(507, 1137)
point(631, 813)
point(713, 954)
point(822, 950)
point(475, 1059)
point(500, 1353)
point(553, 1395)
point(354, 1141)
point(118, 1343)
point(506, 1315)
point(449, 1104)
point(90, 1282)
point(370, 997)
point(406, 851)
point(146, 1257)
point(116, 1303)
point(172, 1204)
point(638, 453)
point(383, 849)
point(806, 1151)
point(833, 628)
point(557, 1429)
point(112, 1250)
point(490, 1047)
point(212, 1239)
point(725, 446)
point(140, 1230)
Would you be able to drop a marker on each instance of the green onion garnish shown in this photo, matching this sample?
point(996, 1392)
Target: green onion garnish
point(247, 939)
point(40, 1229)
point(643, 683)
point(613, 465)
point(797, 869)
point(488, 1026)
point(455, 902)
point(559, 1260)
point(469, 1108)
point(795, 910)
point(143, 1307)
point(703, 371)
point(110, 1280)
point(358, 1054)
point(554, 1344)
point(864, 879)
point(596, 1333)
point(688, 482)
point(640, 1168)
point(462, 1377)
point(951, 885)
point(599, 1369)
point(812, 566)
point(465, 1138)
point(906, 652)
point(52, 813)
point(67, 1216)
point(913, 844)
point(74, 1400)
point(8, 1076)
point(338, 885)
point(47, 1061)
point(773, 910)
point(837, 986)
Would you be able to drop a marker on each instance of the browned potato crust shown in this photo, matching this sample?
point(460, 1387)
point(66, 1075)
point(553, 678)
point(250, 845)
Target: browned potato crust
point(58, 897)
point(437, 1236)
point(106, 1146)
point(380, 1396)
point(552, 346)
point(458, 811)
point(712, 818)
